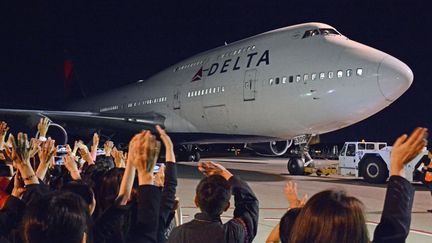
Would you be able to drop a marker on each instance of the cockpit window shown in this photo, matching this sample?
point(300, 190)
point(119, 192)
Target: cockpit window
point(310, 33)
point(328, 32)
point(323, 31)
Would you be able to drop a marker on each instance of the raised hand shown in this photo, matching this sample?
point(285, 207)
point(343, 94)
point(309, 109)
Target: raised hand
point(405, 149)
point(210, 168)
point(47, 151)
point(75, 148)
point(119, 157)
point(18, 189)
point(46, 157)
point(3, 130)
point(144, 151)
point(35, 147)
point(94, 147)
point(292, 195)
point(169, 148)
point(71, 166)
point(20, 154)
point(21, 149)
point(84, 152)
point(95, 140)
point(43, 127)
point(160, 176)
point(108, 147)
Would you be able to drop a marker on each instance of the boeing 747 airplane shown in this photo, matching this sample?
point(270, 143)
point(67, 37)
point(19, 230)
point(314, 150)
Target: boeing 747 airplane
point(265, 91)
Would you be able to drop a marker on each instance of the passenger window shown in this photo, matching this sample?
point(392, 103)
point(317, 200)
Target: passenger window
point(322, 75)
point(361, 146)
point(271, 81)
point(381, 145)
point(218, 89)
point(284, 80)
point(359, 71)
point(330, 74)
point(350, 150)
point(349, 73)
point(223, 89)
point(313, 76)
point(305, 77)
point(291, 79)
point(298, 78)
point(339, 74)
point(188, 94)
point(277, 81)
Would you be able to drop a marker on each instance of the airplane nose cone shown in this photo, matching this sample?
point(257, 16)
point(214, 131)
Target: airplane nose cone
point(394, 78)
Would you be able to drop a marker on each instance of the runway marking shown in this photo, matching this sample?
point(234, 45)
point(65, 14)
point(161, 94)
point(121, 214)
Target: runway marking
point(415, 231)
point(194, 207)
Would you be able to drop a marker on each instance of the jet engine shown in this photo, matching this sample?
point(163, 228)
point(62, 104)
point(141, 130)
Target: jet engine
point(274, 148)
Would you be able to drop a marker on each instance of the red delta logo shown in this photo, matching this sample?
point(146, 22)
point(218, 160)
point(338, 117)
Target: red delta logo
point(198, 75)
point(231, 64)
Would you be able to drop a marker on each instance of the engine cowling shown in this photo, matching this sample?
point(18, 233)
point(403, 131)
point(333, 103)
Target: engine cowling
point(274, 148)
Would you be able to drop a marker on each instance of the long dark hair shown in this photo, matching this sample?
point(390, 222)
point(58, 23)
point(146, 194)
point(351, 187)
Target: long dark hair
point(331, 216)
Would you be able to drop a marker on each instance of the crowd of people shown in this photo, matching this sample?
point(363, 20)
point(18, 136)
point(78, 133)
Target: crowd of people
point(80, 194)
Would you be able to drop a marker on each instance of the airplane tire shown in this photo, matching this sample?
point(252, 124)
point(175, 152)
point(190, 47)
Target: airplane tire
point(375, 171)
point(191, 158)
point(295, 166)
point(197, 156)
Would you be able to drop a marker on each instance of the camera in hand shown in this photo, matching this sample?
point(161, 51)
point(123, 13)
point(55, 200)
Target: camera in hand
point(157, 167)
point(61, 151)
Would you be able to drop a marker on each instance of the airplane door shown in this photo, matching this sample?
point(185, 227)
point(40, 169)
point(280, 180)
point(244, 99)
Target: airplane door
point(249, 85)
point(176, 99)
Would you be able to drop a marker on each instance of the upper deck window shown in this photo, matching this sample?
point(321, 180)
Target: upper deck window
point(322, 31)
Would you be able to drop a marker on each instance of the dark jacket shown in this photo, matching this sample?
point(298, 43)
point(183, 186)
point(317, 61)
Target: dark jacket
point(12, 213)
point(242, 228)
point(166, 209)
point(396, 217)
point(146, 226)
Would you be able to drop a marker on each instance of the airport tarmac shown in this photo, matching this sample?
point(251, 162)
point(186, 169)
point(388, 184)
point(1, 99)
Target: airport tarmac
point(267, 177)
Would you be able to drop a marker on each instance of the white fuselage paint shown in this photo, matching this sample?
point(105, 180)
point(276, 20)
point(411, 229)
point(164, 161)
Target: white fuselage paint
point(281, 110)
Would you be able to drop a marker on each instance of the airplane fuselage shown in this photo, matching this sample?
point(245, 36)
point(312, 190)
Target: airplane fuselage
point(303, 79)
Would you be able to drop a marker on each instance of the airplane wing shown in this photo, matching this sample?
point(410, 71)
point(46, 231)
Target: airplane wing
point(77, 120)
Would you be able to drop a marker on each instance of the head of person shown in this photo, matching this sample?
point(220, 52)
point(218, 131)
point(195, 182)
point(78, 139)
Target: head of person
point(286, 224)
point(104, 162)
point(56, 217)
point(108, 188)
point(331, 216)
point(213, 194)
point(84, 191)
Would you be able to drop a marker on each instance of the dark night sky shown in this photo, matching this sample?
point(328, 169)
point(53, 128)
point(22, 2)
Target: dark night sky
point(113, 43)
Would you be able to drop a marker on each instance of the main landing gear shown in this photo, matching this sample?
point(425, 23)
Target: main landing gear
point(297, 164)
point(189, 152)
